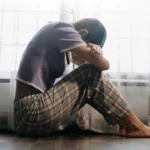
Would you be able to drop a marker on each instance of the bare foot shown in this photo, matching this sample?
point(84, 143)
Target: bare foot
point(134, 132)
point(132, 127)
point(143, 132)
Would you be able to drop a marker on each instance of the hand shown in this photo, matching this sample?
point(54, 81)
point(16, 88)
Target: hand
point(95, 47)
point(93, 54)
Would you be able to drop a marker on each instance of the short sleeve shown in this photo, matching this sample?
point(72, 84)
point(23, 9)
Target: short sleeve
point(67, 38)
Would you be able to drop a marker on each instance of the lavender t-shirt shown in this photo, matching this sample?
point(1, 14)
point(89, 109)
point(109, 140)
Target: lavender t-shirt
point(44, 58)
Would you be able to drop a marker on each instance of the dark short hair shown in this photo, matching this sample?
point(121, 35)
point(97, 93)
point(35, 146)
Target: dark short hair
point(96, 31)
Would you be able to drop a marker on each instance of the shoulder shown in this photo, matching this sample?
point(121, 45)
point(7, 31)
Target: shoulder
point(64, 28)
point(63, 25)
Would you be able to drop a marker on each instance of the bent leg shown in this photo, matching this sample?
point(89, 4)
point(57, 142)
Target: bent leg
point(42, 113)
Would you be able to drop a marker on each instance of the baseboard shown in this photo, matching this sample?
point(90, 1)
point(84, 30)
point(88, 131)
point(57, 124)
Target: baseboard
point(3, 122)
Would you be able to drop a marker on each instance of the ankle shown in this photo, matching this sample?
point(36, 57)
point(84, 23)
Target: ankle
point(133, 121)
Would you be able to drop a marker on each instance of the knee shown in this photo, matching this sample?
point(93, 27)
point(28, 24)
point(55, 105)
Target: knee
point(89, 66)
point(92, 70)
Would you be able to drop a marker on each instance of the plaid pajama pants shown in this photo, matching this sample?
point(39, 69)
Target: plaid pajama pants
point(39, 114)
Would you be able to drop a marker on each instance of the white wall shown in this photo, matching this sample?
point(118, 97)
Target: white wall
point(4, 95)
point(140, 102)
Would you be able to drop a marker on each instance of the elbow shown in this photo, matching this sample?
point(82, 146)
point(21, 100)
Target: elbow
point(106, 66)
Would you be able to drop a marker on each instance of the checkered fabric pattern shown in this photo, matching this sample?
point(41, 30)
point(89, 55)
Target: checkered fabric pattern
point(39, 114)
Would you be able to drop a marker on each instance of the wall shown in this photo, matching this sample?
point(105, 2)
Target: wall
point(140, 102)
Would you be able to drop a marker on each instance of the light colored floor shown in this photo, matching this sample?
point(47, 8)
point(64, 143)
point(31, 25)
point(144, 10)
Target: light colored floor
point(72, 142)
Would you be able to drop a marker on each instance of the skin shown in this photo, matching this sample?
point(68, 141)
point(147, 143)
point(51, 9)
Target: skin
point(91, 53)
point(78, 60)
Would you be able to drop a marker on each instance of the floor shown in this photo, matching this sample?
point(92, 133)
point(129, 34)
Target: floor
point(72, 142)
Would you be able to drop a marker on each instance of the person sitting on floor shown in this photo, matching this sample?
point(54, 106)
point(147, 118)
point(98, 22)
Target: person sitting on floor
point(41, 105)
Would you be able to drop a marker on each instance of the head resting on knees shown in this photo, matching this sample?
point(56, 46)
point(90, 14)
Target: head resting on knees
point(91, 31)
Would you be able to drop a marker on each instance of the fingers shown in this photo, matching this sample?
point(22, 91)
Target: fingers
point(93, 46)
point(90, 44)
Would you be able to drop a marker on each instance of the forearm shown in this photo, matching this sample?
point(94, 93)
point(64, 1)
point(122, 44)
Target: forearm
point(94, 56)
point(77, 60)
point(97, 59)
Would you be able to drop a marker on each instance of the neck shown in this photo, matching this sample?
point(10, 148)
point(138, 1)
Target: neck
point(75, 26)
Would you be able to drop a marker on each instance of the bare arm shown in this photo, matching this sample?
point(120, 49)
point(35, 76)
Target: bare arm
point(76, 59)
point(92, 54)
